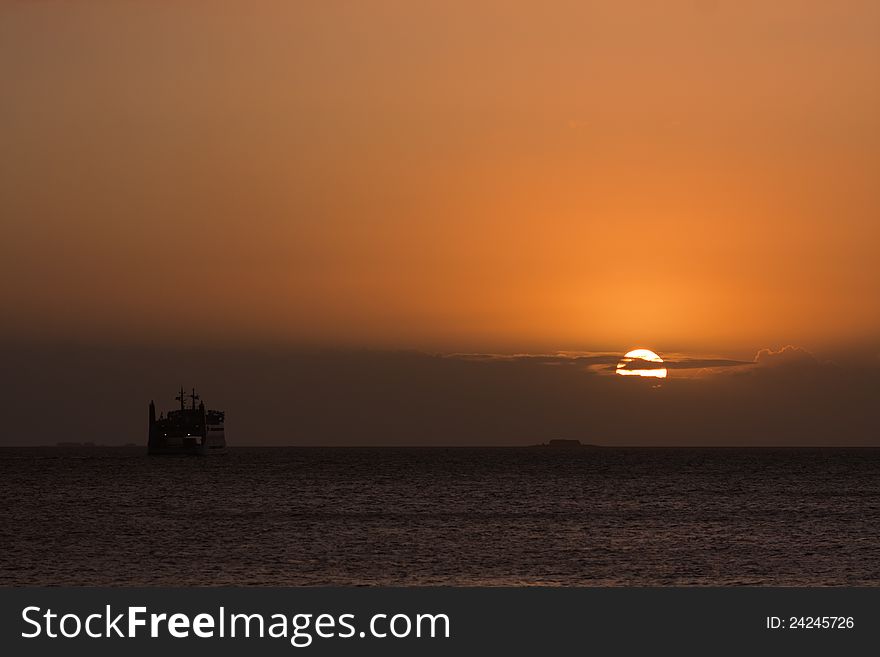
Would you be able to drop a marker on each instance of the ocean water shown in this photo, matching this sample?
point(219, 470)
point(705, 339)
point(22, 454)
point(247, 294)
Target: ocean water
point(434, 516)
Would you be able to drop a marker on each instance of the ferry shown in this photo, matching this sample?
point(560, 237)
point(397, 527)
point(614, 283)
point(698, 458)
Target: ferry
point(189, 430)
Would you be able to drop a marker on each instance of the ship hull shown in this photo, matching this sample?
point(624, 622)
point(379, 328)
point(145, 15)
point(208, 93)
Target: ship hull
point(189, 445)
point(193, 450)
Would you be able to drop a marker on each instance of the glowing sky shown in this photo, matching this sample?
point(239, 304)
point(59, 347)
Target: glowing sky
point(452, 175)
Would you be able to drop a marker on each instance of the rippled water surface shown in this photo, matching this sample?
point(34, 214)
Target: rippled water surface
point(432, 516)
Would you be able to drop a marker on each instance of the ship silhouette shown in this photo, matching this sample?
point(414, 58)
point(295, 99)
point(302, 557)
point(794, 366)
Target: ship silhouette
point(194, 430)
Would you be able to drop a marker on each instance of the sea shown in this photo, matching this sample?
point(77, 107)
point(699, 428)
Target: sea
point(441, 517)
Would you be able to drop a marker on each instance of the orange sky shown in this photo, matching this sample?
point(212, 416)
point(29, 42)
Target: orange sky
point(454, 175)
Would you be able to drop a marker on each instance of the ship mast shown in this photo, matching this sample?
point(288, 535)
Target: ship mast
point(181, 397)
point(194, 397)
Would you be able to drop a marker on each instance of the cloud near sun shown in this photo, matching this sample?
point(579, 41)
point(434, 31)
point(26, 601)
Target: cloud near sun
point(608, 363)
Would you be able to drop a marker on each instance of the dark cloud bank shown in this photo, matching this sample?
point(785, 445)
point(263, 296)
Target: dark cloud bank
point(333, 397)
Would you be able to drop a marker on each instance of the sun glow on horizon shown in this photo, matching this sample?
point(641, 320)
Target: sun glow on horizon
point(644, 355)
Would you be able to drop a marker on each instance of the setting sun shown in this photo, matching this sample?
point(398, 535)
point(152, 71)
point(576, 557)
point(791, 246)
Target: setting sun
point(641, 362)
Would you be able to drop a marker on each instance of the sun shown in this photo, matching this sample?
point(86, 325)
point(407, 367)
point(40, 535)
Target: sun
point(641, 362)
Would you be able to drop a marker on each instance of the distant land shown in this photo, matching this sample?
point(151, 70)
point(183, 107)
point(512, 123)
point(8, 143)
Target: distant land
point(89, 445)
point(566, 443)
